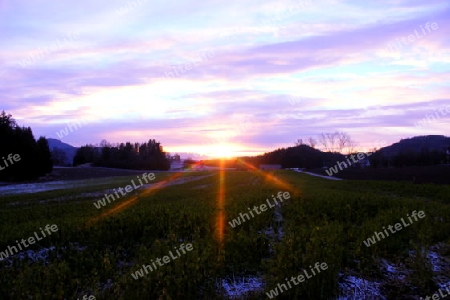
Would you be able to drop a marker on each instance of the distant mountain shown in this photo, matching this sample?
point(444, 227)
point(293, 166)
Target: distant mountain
point(58, 144)
point(69, 150)
point(417, 144)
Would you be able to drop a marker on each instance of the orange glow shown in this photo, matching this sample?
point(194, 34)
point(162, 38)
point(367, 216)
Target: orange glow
point(272, 179)
point(156, 186)
point(220, 228)
point(222, 151)
point(220, 205)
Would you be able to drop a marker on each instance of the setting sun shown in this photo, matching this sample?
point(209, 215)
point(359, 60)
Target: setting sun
point(222, 151)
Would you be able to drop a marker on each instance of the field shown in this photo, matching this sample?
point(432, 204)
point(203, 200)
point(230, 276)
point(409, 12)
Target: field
point(439, 174)
point(101, 252)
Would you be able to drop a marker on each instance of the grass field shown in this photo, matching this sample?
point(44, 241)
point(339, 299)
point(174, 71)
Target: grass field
point(96, 251)
point(439, 174)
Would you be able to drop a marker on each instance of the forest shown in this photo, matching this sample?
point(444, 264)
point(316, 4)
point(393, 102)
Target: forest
point(31, 158)
point(137, 156)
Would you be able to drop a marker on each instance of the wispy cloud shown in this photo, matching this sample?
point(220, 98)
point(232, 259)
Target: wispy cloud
point(332, 56)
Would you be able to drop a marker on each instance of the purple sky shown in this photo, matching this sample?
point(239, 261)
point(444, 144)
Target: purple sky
point(226, 77)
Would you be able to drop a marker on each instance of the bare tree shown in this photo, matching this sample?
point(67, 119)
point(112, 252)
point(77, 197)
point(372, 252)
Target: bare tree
point(312, 142)
point(344, 140)
point(336, 141)
point(324, 142)
point(104, 143)
point(328, 141)
point(352, 146)
point(299, 142)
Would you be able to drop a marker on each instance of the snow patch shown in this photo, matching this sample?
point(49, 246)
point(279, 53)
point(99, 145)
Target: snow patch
point(29, 188)
point(240, 287)
point(41, 255)
point(317, 175)
point(394, 272)
point(435, 261)
point(352, 287)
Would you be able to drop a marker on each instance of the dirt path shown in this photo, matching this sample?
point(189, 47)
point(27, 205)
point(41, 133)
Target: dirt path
point(321, 176)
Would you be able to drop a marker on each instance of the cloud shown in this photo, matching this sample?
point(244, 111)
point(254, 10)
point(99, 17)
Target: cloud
point(333, 57)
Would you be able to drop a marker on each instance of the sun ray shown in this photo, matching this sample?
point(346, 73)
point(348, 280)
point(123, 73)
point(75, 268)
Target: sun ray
point(220, 227)
point(131, 201)
point(271, 178)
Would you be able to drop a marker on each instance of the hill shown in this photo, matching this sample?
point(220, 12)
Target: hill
point(417, 144)
point(68, 150)
point(420, 150)
point(302, 156)
point(416, 151)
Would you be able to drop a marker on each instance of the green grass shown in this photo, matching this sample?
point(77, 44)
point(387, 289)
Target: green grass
point(324, 221)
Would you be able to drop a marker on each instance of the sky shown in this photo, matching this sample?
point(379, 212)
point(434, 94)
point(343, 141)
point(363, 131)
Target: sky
point(225, 78)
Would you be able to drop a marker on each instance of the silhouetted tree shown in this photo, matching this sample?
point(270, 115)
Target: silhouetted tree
point(59, 157)
point(312, 142)
point(127, 155)
point(44, 156)
point(85, 154)
point(35, 157)
point(302, 156)
point(336, 142)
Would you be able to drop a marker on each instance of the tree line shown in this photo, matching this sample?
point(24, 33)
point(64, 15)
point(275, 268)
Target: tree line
point(35, 156)
point(300, 156)
point(305, 155)
point(417, 151)
point(406, 158)
point(137, 156)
